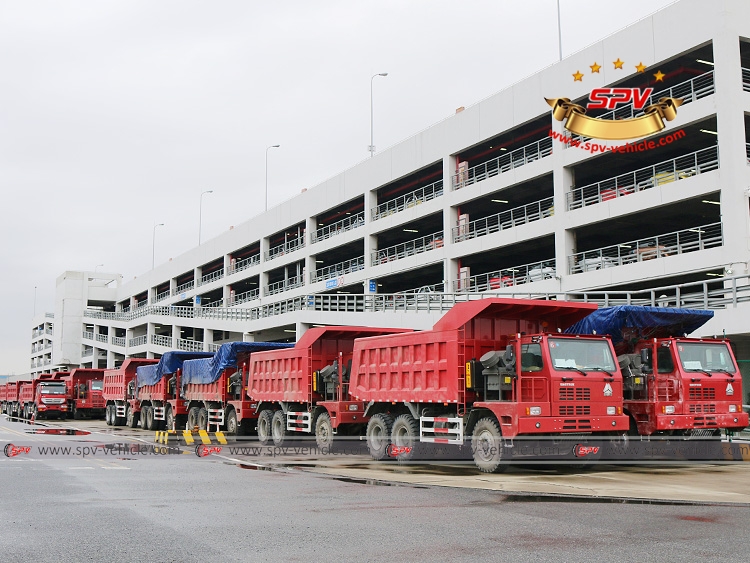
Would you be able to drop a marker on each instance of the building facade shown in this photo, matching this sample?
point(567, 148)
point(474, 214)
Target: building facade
point(497, 199)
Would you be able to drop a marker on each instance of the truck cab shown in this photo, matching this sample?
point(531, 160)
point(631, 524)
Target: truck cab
point(50, 399)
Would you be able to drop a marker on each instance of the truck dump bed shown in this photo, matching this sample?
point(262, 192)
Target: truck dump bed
point(116, 380)
point(150, 380)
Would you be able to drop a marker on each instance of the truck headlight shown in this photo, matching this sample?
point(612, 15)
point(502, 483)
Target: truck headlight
point(732, 408)
point(611, 410)
point(669, 409)
point(534, 411)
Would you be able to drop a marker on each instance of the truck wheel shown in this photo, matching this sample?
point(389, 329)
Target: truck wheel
point(487, 446)
point(232, 428)
point(76, 414)
point(131, 418)
point(169, 419)
point(203, 418)
point(192, 420)
point(324, 431)
point(405, 437)
point(278, 428)
point(264, 427)
point(108, 415)
point(379, 435)
point(148, 414)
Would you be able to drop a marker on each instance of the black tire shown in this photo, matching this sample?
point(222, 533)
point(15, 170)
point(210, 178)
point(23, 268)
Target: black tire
point(278, 428)
point(324, 432)
point(379, 435)
point(192, 420)
point(131, 418)
point(108, 415)
point(180, 421)
point(230, 423)
point(487, 446)
point(76, 414)
point(149, 414)
point(264, 427)
point(203, 418)
point(405, 437)
point(169, 420)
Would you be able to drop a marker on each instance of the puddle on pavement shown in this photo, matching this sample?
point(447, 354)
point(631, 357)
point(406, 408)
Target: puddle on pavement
point(59, 431)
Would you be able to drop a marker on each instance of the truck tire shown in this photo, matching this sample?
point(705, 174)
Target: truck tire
point(379, 435)
point(232, 428)
point(324, 431)
point(278, 428)
point(192, 420)
point(148, 413)
point(264, 427)
point(118, 420)
point(76, 414)
point(487, 446)
point(131, 418)
point(405, 437)
point(108, 415)
point(169, 421)
point(203, 418)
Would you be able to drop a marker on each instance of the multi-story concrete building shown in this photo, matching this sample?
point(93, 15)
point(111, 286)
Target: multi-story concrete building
point(41, 344)
point(486, 201)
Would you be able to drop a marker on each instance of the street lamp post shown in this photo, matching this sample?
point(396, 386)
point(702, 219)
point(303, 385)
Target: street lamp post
point(200, 214)
point(271, 147)
point(153, 244)
point(372, 139)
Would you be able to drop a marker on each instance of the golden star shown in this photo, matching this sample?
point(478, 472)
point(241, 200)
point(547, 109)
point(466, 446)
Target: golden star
point(618, 63)
point(595, 68)
point(659, 76)
point(640, 67)
point(578, 77)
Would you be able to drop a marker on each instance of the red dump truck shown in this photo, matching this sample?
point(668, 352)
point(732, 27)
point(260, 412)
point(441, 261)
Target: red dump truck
point(491, 369)
point(213, 388)
point(305, 390)
point(44, 397)
point(157, 402)
point(673, 385)
point(120, 389)
point(10, 404)
point(84, 386)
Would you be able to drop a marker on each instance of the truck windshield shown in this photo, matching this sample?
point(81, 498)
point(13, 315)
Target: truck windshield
point(705, 356)
point(52, 388)
point(97, 385)
point(581, 354)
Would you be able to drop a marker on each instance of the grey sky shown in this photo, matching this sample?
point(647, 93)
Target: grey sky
point(116, 115)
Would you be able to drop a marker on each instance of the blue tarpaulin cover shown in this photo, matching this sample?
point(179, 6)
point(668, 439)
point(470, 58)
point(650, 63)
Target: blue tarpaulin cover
point(169, 363)
point(627, 324)
point(209, 370)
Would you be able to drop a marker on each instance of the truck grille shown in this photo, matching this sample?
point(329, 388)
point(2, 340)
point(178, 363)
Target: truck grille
point(704, 421)
point(574, 410)
point(575, 394)
point(575, 424)
point(701, 394)
point(702, 408)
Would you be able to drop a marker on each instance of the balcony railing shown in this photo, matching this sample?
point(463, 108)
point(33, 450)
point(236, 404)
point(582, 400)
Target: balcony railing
point(659, 174)
point(160, 340)
point(140, 304)
point(285, 248)
point(118, 341)
point(245, 296)
point(208, 278)
point(217, 303)
point(335, 270)
point(244, 264)
point(47, 331)
point(213, 347)
point(746, 79)
point(102, 338)
point(406, 201)
point(409, 248)
point(505, 220)
point(285, 285)
point(162, 296)
point(507, 277)
point(747, 152)
point(87, 352)
point(670, 244)
point(88, 335)
point(138, 341)
point(189, 345)
point(182, 288)
point(503, 163)
point(346, 224)
point(49, 315)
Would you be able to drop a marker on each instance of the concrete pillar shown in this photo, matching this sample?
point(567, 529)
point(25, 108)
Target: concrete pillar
point(248, 337)
point(175, 335)
point(208, 339)
point(450, 274)
point(110, 359)
point(301, 328)
point(173, 286)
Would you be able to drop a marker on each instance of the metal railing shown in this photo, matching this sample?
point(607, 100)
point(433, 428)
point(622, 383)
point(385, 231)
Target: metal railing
point(690, 90)
point(49, 315)
point(162, 296)
point(346, 224)
point(138, 341)
point(746, 79)
point(47, 331)
point(503, 163)
point(213, 347)
point(505, 220)
point(669, 244)
point(140, 304)
point(409, 248)
point(189, 345)
point(244, 264)
point(208, 278)
point(245, 296)
point(187, 286)
point(507, 277)
point(747, 152)
point(161, 340)
point(118, 341)
point(87, 335)
point(285, 248)
point(335, 270)
point(87, 352)
point(102, 338)
point(406, 201)
point(659, 174)
point(126, 309)
point(217, 303)
point(285, 285)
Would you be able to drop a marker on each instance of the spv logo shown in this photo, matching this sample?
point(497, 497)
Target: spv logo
point(610, 98)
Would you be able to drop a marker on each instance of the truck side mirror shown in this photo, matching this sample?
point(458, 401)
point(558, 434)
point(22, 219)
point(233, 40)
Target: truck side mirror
point(646, 360)
point(509, 358)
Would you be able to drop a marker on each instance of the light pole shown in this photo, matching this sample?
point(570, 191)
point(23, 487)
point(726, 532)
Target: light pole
point(200, 214)
point(372, 141)
point(271, 147)
point(559, 31)
point(153, 244)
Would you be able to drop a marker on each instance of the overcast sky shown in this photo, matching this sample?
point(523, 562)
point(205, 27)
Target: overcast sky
point(116, 115)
